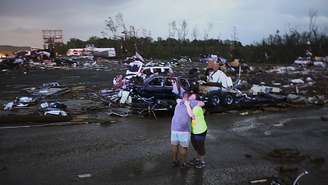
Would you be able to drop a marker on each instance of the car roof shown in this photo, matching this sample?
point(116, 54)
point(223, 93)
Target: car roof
point(162, 76)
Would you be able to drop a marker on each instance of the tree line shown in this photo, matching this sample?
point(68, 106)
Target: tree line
point(276, 48)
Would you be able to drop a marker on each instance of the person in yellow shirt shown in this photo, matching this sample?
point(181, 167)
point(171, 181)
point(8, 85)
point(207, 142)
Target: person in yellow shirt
point(198, 131)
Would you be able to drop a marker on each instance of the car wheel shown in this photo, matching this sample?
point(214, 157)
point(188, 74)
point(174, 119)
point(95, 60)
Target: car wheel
point(215, 100)
point(228, 99)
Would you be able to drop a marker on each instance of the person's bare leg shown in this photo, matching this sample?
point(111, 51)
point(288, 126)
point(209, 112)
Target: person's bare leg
point(174, 152)
point(183, 153)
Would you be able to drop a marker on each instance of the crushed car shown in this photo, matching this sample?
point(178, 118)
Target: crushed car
point(20, 102)
point(53, 108)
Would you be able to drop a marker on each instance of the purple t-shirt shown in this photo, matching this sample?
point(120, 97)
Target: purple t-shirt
point(181, 119)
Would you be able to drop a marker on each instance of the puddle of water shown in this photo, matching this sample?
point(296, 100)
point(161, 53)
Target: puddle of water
point(286, 120)
point(245, 125)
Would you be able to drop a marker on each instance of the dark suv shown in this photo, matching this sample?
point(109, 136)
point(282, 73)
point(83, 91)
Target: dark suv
point(160, 87)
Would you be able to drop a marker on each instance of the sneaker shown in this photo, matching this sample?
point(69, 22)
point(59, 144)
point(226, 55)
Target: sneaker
point(193, 162)
point(175, 164)
point(200, 165)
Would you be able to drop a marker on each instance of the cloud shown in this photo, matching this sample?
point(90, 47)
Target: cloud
point(39, 8)
point(22, 21)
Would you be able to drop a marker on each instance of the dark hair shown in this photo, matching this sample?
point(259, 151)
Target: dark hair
point(186, 93)
point(194, 93)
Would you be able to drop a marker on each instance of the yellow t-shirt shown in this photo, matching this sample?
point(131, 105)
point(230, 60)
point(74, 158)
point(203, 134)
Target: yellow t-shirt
point(198, 125)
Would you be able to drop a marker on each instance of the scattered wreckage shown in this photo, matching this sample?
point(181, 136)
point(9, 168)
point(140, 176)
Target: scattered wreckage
point(20, 102)
point(47, 89)
point(45, 59)
point(148, 88)
point(53, 108)
point(39, 108)
point(156, 92)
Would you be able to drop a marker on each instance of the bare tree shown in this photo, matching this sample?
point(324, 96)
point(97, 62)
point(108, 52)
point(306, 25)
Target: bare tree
point(195, 32)
point(132, 31)
point(116, 27)
point(234, 33)
point(144, 32)
point(171, 30)
point(104, 34)
point(175, 29)
point(120, 22)
point(111, 26)
point(205, 37)
point(184, 30)
point(313, 27)
point(180, 31)
point(207, 31)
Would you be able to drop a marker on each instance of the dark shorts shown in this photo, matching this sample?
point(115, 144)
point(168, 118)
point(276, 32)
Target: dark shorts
point(198, 142)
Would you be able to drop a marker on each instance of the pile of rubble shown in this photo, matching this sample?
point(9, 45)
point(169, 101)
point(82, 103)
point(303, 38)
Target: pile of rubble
point(37, 104)
point(154, 86)
point(301, 83)
point(44, 59)
point(148, 86)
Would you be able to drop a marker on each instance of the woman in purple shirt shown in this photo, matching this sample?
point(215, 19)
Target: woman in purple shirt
point(180, 131)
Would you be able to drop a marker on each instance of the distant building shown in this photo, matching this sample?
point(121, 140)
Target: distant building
point(97, 52)
point(104, 52)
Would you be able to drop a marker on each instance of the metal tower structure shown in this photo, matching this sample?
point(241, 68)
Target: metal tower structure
point(51, 38)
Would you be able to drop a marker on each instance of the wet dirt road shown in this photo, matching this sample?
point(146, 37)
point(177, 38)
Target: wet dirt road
point(136, 151)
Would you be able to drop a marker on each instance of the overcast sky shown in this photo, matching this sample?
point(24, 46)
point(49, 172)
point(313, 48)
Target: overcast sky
point(22, 21)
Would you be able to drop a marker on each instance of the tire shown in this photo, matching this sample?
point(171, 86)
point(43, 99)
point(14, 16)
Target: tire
point(228, 99)
point(215, 100)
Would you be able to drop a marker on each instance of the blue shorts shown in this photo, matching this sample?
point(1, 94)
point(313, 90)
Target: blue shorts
point(180, 138)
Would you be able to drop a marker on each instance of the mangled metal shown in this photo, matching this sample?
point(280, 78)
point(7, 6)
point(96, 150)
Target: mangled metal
point(20, 102)
point(149, 86)
point(53, 108)
point(47, 89)
point(157, 91)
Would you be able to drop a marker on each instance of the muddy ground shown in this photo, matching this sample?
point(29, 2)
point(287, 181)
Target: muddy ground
point(136, 150)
